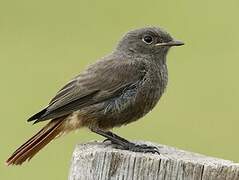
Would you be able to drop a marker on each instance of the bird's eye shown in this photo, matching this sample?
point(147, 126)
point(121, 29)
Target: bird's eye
point(148, 39)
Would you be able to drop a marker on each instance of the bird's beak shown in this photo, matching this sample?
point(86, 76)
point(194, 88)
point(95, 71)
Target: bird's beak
point(170, 43)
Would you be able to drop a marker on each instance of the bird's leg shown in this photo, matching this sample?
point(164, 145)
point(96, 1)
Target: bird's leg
point(115, 136)
point(110, 136)
point(121, 143)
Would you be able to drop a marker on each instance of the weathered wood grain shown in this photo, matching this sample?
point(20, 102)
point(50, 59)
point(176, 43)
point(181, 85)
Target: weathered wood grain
point(99, 161)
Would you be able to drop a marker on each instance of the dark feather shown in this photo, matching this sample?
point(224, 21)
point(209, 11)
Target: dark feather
point(66, 109)
point(37, 115)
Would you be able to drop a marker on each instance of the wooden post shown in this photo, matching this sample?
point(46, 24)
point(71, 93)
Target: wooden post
point(99, 161)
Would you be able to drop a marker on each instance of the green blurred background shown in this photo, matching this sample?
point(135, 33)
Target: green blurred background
point(43, 44)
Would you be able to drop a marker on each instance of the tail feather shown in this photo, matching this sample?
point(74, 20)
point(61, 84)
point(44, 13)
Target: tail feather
point(36, 143)
point(37, 115)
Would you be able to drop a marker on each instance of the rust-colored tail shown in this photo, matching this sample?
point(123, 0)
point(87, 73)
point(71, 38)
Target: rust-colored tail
point(36, 143)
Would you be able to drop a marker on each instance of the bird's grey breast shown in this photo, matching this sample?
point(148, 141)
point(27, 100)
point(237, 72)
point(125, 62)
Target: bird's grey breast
point(153, 86)
point(139, 98)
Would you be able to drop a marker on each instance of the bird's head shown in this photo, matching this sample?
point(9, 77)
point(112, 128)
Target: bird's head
point(147, 41)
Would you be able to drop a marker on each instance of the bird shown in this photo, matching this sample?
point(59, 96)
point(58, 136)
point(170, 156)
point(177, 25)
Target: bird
point(116, 90)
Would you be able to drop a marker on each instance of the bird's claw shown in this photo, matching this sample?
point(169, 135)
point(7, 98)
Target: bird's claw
point(107, 140)
point(144, 148)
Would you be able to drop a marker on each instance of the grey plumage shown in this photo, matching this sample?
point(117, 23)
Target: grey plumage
point(118, 89)
point(105, 83)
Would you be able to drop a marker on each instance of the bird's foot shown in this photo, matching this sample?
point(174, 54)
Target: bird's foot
point(143, 148)
point(121, 143)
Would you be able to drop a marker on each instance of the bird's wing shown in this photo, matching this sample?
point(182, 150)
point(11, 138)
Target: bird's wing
point(104, 80)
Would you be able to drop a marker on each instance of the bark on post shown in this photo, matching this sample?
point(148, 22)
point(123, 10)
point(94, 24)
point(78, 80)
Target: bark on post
point(99, 161)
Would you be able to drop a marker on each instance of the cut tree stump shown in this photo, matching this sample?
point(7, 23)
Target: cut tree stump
point(99, 161)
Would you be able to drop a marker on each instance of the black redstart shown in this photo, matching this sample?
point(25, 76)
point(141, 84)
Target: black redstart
point(118, 89)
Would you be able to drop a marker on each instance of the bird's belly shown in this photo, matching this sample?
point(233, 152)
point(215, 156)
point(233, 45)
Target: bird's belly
point(122, 110)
